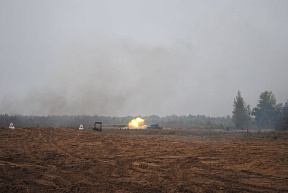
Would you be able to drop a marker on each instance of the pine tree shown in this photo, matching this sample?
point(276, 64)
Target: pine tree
point(281, 117)
point(241, 112)
point(265, 111)
point(285, 116)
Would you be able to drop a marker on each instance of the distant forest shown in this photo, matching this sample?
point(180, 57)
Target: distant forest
point(60, 121)
point(267, 114)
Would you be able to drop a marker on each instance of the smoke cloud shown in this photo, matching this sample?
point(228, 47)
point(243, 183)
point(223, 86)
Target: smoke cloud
point(140, 58)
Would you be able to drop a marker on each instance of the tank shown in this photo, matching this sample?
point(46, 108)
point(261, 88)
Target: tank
point(155, 126)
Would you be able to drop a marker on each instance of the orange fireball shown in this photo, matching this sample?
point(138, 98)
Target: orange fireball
point(137, 123)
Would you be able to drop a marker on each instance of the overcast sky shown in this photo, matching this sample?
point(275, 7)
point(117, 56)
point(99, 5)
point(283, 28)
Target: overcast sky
point(145, 57)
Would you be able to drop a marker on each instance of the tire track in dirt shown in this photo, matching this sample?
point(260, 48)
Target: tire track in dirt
point(47, 177)
point(58, 176)
point(6, 163)
point(26, 141)
point(209, 172)
point(207, 169)
point(52, 140)
point(33, 142)
point(72, 163)
point(66, 160)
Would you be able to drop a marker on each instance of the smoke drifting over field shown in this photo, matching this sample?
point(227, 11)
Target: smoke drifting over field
point(106, 80)
point(140, 58)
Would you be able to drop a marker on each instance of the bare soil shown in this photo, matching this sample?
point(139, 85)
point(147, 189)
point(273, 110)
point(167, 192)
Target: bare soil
point(67, 160)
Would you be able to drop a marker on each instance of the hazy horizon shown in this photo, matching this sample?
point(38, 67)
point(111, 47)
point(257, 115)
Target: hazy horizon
point(120, 58)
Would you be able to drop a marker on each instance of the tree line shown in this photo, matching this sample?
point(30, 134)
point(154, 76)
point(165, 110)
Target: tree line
point(267, 113)
point(69, 121)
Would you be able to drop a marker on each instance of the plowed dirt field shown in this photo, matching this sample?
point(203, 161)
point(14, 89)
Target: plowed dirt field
point(67, 160)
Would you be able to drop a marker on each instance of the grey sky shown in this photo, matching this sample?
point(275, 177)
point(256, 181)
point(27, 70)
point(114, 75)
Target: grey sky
point(140, 57)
